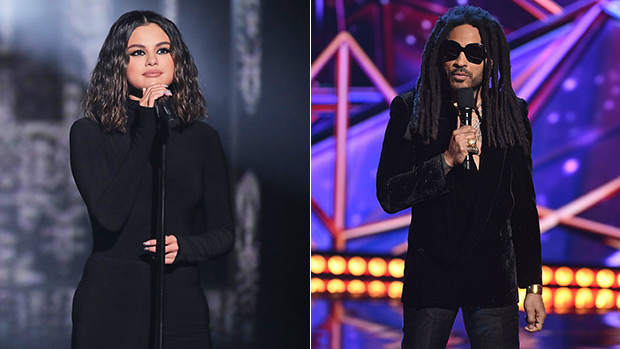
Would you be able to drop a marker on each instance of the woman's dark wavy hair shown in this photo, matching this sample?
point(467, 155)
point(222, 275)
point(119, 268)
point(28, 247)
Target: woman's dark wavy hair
point(107, 93)
point(506, 126)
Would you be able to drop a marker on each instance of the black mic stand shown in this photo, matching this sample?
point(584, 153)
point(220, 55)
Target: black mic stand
point(160, 255)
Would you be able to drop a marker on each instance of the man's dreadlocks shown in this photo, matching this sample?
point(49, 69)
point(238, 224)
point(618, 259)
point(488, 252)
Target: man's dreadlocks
point(505, 125)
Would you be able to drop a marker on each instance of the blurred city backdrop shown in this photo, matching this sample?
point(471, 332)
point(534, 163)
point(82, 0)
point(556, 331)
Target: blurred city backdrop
point(247, 53)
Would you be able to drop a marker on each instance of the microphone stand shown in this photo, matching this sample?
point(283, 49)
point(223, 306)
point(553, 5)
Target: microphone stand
point(160, 255)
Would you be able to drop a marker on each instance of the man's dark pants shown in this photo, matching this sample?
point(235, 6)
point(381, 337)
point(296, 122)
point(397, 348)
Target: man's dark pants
point(429, 328)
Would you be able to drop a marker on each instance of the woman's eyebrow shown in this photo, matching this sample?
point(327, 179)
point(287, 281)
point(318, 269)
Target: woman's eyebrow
point(142, 46)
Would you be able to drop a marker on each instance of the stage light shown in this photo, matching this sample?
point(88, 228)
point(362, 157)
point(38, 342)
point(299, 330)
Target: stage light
point(584, 299)
point(317, 264)
point(395, 289)
point(605, 278)
point(597, 286)
point(335, 286)
point(357, 266)
point(563, 276)
point(317, 285)
point(396, 267)
point(584, 277)
point(376, 288)
point(521, 298)
point(547, 275)
point(356, 287)
point(570, 166)
point(547, 297)
point(336, 265)
point(563, 298)
point(377, 267)
point(605, 299)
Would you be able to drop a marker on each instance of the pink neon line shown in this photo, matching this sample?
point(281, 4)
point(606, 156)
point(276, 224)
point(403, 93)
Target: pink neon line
point(400, 248)
point(580, 204)
point(533, 66)
point(569, 221)
point(533, 84)
point(326, 55)
point(386, 332)
point(345, 42)
point(342, 120)
point(550, 6)
point(378, 227)
point(337, 313)
point(583, 224)
point(371, 70)
point(329, 224)
point(591, 226)
point(527, 6)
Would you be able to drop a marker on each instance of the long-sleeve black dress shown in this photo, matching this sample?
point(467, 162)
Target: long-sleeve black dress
point(115, 176)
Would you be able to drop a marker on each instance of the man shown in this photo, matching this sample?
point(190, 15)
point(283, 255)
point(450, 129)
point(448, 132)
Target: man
point(474, 235)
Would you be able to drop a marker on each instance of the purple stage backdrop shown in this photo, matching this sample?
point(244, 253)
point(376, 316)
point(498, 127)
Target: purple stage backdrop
point(563, 65)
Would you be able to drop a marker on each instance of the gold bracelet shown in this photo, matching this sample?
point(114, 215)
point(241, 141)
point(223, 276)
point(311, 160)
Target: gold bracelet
point(535, 288)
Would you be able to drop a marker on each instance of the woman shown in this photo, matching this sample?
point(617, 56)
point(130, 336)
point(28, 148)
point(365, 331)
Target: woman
point(143, 59)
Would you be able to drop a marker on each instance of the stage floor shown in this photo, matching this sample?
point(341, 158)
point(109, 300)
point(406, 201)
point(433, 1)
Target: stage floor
point(376, 323)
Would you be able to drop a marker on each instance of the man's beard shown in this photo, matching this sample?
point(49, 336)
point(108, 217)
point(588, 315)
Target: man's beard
point(475, 82)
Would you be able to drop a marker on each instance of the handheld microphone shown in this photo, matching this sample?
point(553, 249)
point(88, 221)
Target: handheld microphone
point(165, 112)
point(465, 102)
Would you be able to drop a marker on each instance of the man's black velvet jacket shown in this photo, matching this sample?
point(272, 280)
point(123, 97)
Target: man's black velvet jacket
point(473, 236)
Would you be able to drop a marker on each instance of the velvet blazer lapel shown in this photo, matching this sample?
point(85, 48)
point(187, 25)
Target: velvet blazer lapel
point(494, 183)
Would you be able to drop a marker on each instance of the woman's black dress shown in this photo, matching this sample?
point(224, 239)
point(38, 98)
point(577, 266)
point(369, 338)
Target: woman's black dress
point(114, 174)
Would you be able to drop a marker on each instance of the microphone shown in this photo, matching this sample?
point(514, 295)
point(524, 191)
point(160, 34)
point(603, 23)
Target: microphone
point(165, 112)
point(465, 102)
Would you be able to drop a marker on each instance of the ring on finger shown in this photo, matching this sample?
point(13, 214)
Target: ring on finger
point(471, 142)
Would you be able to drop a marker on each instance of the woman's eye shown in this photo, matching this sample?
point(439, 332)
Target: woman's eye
point(163, 50)
point(137, 53)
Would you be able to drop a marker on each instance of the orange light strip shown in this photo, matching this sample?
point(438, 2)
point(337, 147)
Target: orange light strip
point(556, 299)
point(370, 267)
point(565, 288)
point(357, 266)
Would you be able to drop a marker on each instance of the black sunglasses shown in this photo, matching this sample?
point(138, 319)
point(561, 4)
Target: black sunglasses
point(450, 50)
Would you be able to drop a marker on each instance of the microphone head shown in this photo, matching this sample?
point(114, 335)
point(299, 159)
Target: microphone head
point(164, 107)
point(465, 98)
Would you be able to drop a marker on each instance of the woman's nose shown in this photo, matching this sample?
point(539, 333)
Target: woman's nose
point(151, 60)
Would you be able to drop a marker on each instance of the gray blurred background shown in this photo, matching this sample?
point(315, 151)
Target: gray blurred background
point(253, 59)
